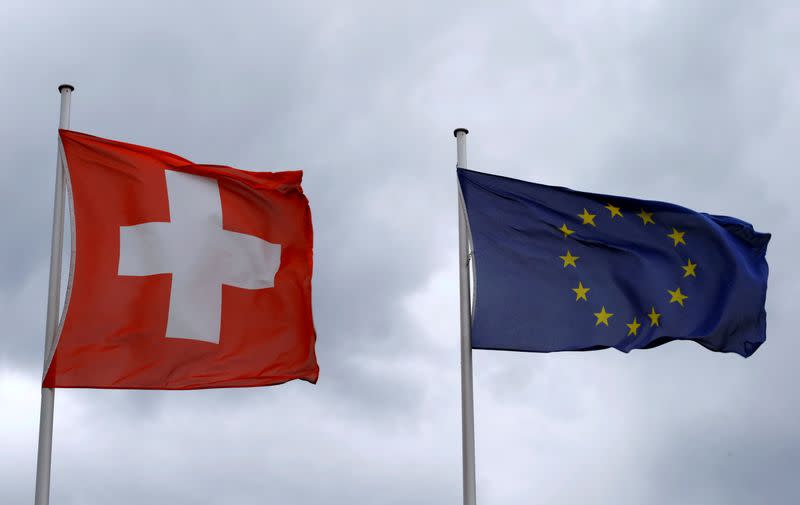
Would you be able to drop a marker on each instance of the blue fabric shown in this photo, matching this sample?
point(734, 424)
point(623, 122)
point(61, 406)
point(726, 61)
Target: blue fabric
point(528, 290)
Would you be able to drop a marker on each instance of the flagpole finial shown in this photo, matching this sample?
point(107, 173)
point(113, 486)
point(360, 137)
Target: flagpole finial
point(457, 130)
point(63, 87)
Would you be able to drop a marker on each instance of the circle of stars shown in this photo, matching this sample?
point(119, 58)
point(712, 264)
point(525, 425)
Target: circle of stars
point(603, 317)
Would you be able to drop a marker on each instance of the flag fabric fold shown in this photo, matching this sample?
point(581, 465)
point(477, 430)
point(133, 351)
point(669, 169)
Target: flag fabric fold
point(562, 270)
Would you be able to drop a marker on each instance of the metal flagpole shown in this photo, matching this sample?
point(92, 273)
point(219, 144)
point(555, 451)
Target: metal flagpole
point(464, 256)
point(53, 312)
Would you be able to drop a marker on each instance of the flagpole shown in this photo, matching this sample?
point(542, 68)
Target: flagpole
point(53, 301)
point(467, 410)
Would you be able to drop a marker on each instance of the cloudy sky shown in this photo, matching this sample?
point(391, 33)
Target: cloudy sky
point(697, 103)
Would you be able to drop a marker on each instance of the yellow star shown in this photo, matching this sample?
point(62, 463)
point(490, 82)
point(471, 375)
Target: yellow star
point(677, 296)
point(566, 231)
point(633, 327)
point(580, 292)
point(647, 217)
point(614, 211)
point(654, 316)
point(569, 259)
point(677, 236)
point(587, 218)
point(689, 268)
point(602, 317)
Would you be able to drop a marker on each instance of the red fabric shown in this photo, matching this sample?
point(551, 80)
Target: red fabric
point(113, 332)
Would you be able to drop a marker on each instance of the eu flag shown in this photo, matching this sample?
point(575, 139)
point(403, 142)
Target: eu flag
point(562, 270)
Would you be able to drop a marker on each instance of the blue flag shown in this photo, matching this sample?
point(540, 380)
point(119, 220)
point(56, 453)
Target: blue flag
point(562, 270)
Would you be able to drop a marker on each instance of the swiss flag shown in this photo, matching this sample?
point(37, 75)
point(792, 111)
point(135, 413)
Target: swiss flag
point(183, 276)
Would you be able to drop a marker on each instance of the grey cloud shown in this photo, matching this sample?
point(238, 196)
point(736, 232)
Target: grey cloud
point(675, 101)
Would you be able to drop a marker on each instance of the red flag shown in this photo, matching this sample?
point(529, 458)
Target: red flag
point(183, 276)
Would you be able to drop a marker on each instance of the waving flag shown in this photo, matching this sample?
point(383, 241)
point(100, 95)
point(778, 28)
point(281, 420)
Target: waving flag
point(561, 270)
point(183, 276)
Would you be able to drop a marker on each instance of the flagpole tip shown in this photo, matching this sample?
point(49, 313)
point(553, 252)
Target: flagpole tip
point(68, 87)
point(457, 130)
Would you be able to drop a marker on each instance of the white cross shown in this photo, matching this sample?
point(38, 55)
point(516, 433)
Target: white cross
point(200, 255)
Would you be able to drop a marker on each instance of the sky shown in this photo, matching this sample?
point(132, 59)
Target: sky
point(695, 103)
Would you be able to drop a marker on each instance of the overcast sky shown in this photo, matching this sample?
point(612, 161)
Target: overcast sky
point(697, 103)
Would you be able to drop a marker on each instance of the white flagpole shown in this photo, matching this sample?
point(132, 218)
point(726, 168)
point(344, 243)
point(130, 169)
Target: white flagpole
point(53, 312)
point(464, 256)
